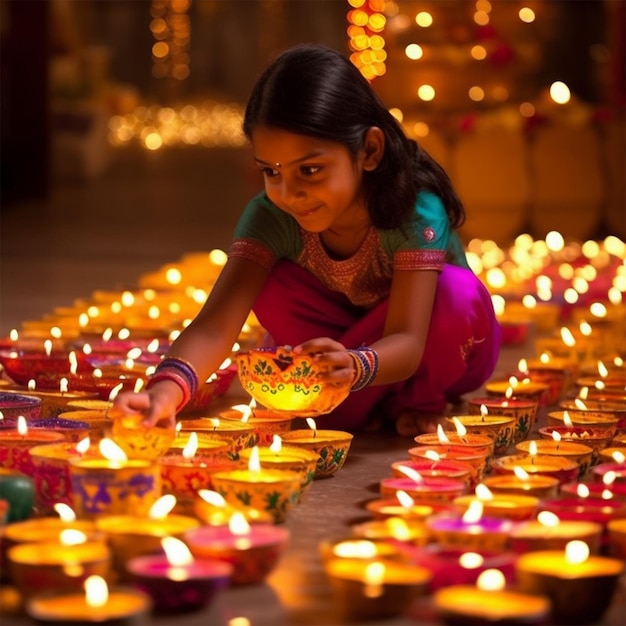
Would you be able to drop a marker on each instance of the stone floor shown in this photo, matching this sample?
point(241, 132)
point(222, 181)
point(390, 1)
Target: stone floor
point(149, 209)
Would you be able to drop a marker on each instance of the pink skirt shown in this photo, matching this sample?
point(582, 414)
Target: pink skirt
point(461, 351)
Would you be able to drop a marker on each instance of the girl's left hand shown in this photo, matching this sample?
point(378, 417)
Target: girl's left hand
point(336, 364)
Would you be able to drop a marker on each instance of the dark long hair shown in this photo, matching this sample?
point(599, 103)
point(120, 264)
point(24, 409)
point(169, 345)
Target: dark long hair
point(314, 90)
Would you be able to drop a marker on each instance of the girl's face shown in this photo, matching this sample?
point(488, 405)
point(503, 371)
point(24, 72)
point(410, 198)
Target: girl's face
point(317, 182)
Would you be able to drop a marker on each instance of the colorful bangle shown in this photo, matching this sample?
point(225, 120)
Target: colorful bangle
point(174, 377)
point(366, 366)
point(183, 367)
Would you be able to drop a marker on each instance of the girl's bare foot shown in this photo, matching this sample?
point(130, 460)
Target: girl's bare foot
point(412, 423)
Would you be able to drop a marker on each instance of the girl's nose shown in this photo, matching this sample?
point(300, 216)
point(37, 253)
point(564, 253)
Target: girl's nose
point(291, 190)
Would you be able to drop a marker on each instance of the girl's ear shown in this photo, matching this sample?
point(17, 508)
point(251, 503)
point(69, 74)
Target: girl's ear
point(373, 148)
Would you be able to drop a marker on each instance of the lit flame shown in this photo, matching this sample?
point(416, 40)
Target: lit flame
point(491, 580)
point(356, 548)
point(576, 552)
point(441, 435)
point(474, 512)
point(432, 455)
point(22, 426)
point(111, 451)
point(567, 420)
point(508, 394)
point(398, 528)
point(567, 337)
point(582, 491)
point(556, 436)
point(32, 384)
point(374, 577)
point(47, 346)
point(312, 425)
point(65, 512)
point(522, 366)
point(177, 552)
point(96, 591)
point(63, 385)
point(115, 391)
point(618, 457)
point(73, 362)
point(254, 463)
point(72, 537)
point(532, 447)
point(404, 499)
point(238, 525)
point(139, 383)
point(460, 427)
point(580, 404)
point(548, 519)
point(161, 508)
point(212, 497)
point(583, 394)
point(484, 411)
point(609, 478)
point(83, 445)
point(215, 422)
point(471, 560)
point(521, 473)
point(191, 446)
point(277, 444)
point(513, 382)
point(245, 410)
point(602, 369)
point(483, 492)
point(411, 473)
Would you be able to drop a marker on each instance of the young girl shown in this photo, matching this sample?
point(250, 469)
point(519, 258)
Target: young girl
point(350, 254)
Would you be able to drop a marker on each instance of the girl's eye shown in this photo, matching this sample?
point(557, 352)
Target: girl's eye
point(309, 170)
point(269, 172)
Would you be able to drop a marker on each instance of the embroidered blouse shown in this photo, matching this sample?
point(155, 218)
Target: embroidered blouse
point(265, 234)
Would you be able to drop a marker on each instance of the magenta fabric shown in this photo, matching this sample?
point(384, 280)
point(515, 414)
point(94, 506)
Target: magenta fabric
point(460, 355)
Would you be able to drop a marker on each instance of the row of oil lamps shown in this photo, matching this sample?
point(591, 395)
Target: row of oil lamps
point(229, 482)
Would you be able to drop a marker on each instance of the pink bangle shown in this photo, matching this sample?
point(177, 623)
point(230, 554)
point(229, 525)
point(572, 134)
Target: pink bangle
point(175, 378)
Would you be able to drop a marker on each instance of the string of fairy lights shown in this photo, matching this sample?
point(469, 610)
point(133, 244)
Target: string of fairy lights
point(215, 124)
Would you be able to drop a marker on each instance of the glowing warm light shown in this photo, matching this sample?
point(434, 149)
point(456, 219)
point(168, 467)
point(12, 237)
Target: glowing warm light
point(176, 551)
point(424, 19)
point(491, 580)
point(526, 15)
point(483, 492)
point(191, 447)
point(22, 427)
point(618, 457)
point(548, 519)
point(556, 436)
point(471, 560)
point(431, 455)
point(532, 448)
point(83, 445)
point(277, 444)
point(426, 93)
point(47, 346)
point(374, 577)
point(576, 552)
point(96, 591)
point(162, 507)
point(356, 548)
point(411, 473)
point(474, 512)
point(582, 491)
point(212, 497)
point(609, 478)
point(555, 241)
point(460, 427)
point(111, 451)
point(115, 391)
point(559, 92)
point(414, 51)
point(245, 410)
point(521, 473)
point(254, 463)
point(567, 420)
point(404, 499)
point(66, 513)
point(310, 422)
point(63, 385)
point(72, 537)
point(441, 435)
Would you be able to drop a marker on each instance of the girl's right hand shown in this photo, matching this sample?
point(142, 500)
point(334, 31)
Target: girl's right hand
point(157, 405)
